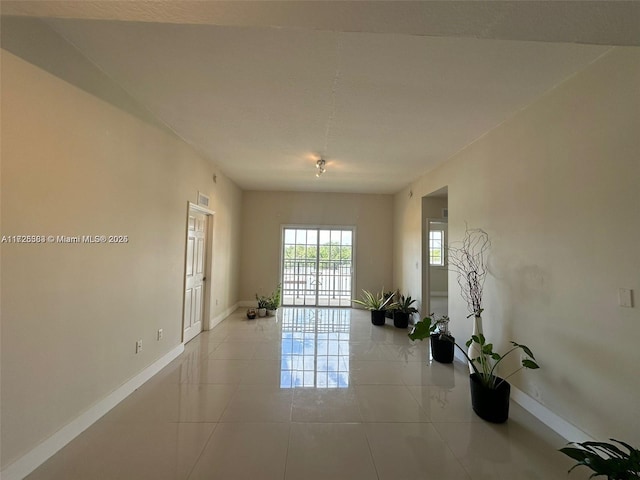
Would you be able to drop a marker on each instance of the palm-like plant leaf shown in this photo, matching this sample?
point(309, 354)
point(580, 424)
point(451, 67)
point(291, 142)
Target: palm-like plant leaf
point(606, 459)
point(372, 301)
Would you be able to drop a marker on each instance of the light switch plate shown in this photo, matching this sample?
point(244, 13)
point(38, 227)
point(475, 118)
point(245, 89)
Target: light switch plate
point(625, 297)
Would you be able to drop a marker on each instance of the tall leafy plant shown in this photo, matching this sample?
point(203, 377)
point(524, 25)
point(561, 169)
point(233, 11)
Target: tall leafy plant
point(486, 363)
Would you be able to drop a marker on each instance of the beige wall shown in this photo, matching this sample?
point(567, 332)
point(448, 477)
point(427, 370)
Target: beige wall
point(557, 188)
point(264, 213)
point(73, 164)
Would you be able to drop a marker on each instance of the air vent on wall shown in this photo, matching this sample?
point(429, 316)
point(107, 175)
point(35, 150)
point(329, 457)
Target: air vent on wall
point(445, 213)
point(203, 200)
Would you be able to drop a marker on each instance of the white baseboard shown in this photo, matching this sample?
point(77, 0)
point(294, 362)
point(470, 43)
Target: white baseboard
point(566, 430)
point(221, 316)
point(37, 456)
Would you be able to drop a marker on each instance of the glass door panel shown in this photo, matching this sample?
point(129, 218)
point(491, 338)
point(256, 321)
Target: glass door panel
point(317, 267)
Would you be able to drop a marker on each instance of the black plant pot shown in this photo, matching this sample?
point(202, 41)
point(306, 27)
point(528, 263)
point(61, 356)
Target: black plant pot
point(378, 317)
point(490, 404)
point(442, 349)
point(400, 319)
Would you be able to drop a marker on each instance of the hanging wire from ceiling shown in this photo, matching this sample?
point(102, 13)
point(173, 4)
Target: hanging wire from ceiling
point(321, 163)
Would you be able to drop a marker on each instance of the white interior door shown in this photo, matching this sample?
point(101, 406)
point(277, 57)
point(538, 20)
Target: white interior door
point(194, 274)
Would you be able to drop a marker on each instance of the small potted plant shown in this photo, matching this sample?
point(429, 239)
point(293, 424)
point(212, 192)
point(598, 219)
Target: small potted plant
point(606, 459)
point(403, 311)
point(489, 392)
point(377, 304)
point(273, 302)
point(262, 305)
point(441, 340)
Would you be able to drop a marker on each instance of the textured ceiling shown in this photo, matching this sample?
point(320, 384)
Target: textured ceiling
point(384, 94)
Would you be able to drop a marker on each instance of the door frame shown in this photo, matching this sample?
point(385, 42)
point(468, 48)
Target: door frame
point(426, 262)
point(206, 301)
point(353, 230)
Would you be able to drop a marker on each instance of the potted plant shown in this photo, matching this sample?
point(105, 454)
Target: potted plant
point(440, 338)
point(489, 392)
point(606, 459)
point(377, 304)
point(262, 305)
point(389, 311)
point(273, 301)
point(403, 311)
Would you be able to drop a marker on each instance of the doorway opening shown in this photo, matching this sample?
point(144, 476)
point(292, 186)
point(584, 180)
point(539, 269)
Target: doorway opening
point(435, 233)
point(317, 266)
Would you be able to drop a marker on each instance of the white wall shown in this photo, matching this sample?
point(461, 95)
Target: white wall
point(264, 213)
point(557, 188)
point(73, 164)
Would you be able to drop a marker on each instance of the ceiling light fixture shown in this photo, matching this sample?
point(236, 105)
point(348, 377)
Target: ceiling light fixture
point(320, 165)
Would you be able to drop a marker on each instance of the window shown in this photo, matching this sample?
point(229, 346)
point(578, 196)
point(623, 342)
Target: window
point(436, 250)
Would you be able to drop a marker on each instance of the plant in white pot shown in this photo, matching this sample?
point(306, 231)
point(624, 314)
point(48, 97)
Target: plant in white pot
point(273, 301)
point(262, 305)
point(468, 259)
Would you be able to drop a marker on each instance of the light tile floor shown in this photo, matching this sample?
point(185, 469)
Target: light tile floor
point(308, 394)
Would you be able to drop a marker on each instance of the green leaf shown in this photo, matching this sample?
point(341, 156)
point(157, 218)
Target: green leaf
point(487, 349)
point(526, 349)
point(421, 330)
point(615, 464)
point(528, 363)
point(468, 342)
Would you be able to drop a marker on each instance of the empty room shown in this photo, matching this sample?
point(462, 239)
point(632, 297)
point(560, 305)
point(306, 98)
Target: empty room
point(298, 240)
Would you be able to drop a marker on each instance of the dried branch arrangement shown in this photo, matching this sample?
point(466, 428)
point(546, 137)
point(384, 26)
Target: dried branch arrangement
point(469, 262)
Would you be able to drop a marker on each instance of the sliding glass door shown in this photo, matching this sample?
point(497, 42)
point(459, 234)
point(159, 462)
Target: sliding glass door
point(317, 266)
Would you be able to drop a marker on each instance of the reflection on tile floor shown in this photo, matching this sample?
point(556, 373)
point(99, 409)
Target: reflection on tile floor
point(308, 394)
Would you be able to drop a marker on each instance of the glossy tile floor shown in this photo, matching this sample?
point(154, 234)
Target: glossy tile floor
point(309, 394)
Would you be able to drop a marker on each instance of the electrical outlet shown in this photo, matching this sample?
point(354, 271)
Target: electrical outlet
point(160, 334)
point(138, 346)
